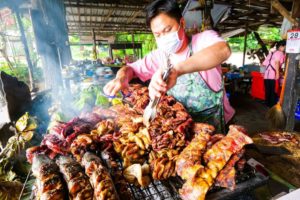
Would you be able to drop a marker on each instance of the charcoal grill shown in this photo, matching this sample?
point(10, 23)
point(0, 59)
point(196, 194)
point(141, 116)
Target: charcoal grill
point(246, 181)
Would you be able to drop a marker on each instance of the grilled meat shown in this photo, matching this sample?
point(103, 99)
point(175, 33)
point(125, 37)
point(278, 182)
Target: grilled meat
point(216, 158)
point(189, 160)
point(202, 127)
point(279, 137)
point(162, 163)
point(81, 145)
point(99, 177)
point(226, 177)
point(78, 183)
point(61, 135)
point(48, 181)
point(120, 183)
point(138, 174)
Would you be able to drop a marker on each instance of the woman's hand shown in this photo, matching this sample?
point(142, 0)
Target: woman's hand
point(123, 77)
point(157, 86)
point(115, 85)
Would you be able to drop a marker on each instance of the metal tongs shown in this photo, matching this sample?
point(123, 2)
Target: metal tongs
point(150, 110)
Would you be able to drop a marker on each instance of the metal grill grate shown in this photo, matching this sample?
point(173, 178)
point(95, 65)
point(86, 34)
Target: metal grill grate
point(168, 189)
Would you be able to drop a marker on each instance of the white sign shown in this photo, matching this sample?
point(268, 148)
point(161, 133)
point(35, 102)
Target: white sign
point(293, 41)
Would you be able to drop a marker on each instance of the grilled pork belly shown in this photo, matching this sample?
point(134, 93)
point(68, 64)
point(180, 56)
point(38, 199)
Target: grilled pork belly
point(49, 184)
point(78, 183)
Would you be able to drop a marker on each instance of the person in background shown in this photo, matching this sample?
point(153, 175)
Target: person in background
point(195, 79)
point(273, 63)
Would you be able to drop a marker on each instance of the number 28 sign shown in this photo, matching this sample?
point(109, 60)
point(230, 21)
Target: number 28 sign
point(293, 41)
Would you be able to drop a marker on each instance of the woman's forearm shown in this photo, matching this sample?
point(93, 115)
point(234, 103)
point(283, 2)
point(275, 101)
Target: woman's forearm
point(125, 73)
point(205, 59)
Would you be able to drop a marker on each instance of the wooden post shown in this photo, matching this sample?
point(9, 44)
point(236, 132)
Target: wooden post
point(94, 45)
point(132, 38)
point(24, 41)
point(290, 94)
point(245, 44)
point(110, 52)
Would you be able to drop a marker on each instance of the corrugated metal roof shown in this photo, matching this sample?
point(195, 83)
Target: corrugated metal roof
point(108, 17)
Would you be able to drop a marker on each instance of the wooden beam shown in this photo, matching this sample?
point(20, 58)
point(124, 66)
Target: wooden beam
point(110, 12)
point(284, 12)
point(105, 24)
point(296, 9)
point(69, 14)
point(134, 16)
point(105, 6)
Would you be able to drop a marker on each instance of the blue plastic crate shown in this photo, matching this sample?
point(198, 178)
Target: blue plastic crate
point(297, 111)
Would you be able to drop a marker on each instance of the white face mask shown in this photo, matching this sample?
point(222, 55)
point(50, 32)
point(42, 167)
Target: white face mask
point(169, 43)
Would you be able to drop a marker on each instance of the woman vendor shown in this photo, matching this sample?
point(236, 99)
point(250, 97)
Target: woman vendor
point(273, 64)
point(196, 77)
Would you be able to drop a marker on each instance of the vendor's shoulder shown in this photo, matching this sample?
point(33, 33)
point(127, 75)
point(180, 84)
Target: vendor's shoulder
point(205, 34)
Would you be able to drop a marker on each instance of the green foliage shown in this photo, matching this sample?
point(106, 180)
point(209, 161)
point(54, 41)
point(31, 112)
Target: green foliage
point(90, 97)
point(10, 186)
point(20, 71)
point(147, 40)
point(74, 39)
point(266, 33)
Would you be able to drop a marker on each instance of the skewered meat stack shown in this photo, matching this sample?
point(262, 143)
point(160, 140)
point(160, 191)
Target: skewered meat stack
point(49, 185)
point(163, 163)
point(99, 177)
point(170, 127)
point(78, 183)
point(216, 158)
point(82, 144)
point(189, 160)
point(138, 97)
point(226, 177)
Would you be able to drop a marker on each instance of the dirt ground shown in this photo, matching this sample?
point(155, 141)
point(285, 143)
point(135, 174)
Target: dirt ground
point(250, 113)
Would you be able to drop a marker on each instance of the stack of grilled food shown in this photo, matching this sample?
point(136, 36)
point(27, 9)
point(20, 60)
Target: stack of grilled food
point(79, 159)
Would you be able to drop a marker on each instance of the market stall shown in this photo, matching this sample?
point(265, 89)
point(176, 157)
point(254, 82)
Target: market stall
point(75, 142)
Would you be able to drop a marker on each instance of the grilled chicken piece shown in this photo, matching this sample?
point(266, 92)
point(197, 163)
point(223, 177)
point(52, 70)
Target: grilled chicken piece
point(100, 179)
point(48, 181)
point(78, 183)
point(189, 160)
point(216, 158)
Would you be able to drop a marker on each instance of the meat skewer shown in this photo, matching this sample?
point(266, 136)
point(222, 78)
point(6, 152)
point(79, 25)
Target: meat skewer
point(49, 184)
point(189, 160)
point(100, 179)
point(226, 177)
point(216, 158)
point(78, 183)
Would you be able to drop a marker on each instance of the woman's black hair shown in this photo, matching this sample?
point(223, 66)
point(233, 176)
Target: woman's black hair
point(280, 43)
point(168, 7)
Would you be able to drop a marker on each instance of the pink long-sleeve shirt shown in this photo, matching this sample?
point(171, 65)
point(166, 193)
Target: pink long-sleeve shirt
point(147, 66)
point(277, 56)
